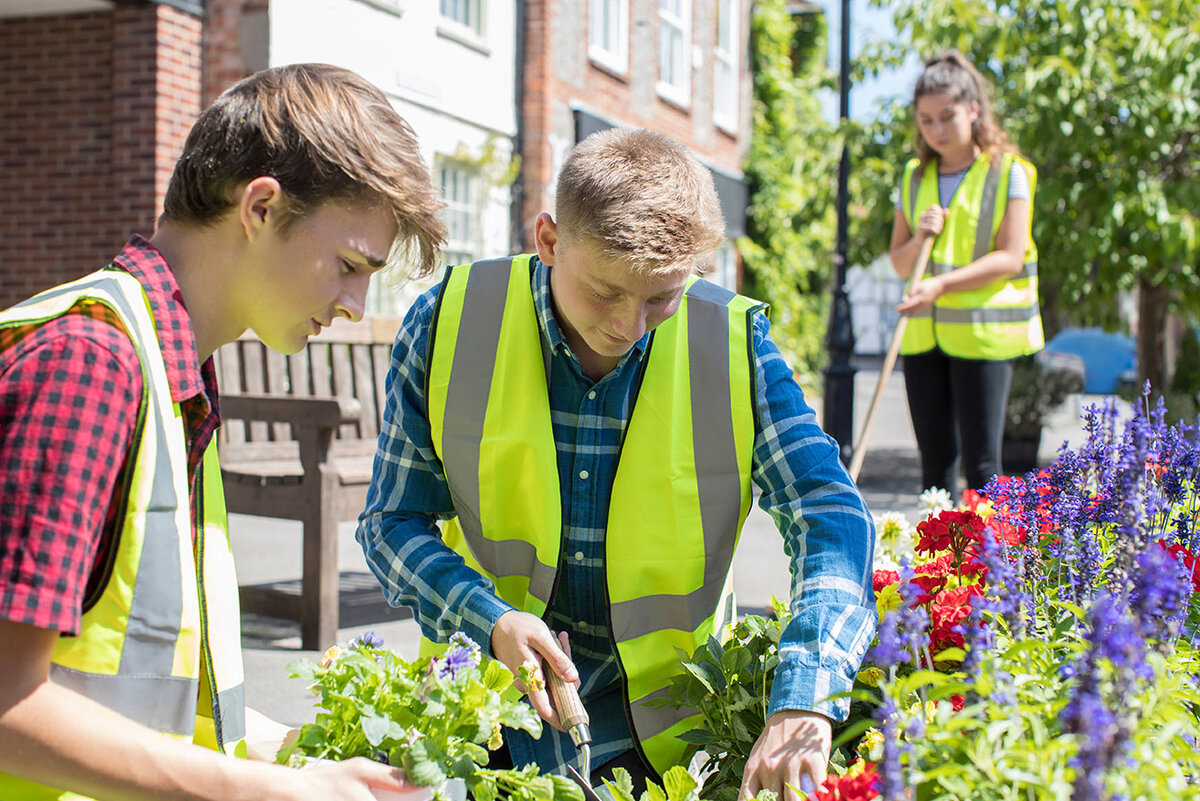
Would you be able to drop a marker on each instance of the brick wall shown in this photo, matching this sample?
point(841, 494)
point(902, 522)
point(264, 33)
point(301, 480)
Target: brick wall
point(93, 111)
point(559, 75)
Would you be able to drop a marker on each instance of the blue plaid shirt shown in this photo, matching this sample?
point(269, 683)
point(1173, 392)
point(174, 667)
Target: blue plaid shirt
point(827, 530)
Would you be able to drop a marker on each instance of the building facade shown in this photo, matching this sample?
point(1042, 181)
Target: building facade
point(97, 97)
point(680, 67)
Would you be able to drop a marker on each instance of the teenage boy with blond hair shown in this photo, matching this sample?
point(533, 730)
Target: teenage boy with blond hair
point(586, 424)
point(119, 631)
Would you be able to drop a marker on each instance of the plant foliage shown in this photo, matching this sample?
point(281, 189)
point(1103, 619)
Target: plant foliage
point(437, 717)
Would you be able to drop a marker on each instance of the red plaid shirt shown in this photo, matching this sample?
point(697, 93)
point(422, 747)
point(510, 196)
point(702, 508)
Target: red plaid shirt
point(69, 395)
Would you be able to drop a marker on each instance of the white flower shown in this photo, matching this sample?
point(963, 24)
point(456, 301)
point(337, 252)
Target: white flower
point(934, 500)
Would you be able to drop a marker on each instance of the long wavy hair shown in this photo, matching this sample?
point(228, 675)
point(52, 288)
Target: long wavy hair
point(952, 74)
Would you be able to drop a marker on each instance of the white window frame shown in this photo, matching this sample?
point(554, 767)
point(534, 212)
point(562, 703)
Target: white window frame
point(724, 270)
point(466, 15)
point(461, 239)
point(612, 15)
point(675, 87)
point(726, 104)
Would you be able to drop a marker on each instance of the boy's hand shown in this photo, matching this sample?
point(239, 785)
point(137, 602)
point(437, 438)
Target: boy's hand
point(519, 638)
point(793, 747)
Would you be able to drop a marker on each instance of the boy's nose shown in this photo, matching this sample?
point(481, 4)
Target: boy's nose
point(352, 304)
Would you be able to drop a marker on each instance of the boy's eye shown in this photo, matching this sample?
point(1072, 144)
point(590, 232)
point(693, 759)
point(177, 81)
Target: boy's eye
point(604, 298)
point(348, 267)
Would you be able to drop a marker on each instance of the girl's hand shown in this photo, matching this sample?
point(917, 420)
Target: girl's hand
point(922, 297)
point(932, 220)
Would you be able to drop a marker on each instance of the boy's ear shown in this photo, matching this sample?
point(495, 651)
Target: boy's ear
point(260, 201)
point(545, 235)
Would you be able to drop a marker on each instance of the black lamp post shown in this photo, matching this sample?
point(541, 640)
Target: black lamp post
point(839, 375)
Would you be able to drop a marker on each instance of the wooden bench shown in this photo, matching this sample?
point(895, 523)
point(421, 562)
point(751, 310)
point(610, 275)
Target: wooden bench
point(298, 441)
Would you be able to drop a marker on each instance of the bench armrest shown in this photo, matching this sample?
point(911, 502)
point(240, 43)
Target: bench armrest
point(298, 411)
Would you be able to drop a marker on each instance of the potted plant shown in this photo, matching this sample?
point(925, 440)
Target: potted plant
point(1040, 384)
point(435, 717)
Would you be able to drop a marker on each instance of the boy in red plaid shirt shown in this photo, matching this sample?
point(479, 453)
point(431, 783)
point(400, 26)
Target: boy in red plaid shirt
point(119, 642)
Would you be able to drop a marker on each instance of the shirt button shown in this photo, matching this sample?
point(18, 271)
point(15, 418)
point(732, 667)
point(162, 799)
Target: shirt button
point(592, 395)
point(583, 474)
point(579, 556)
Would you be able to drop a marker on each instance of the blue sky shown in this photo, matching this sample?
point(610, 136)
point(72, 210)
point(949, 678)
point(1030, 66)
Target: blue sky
point(867, 24)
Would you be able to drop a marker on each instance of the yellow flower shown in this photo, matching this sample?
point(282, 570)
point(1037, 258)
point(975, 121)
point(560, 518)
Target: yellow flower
point(496, 739)
point(888, 599)
point(871, 742)
point(930, 710)
point(330, 656)
point(870, 676)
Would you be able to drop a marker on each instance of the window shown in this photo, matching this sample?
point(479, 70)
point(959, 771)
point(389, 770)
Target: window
point(608, 33)
point(468, 13)
point(674, 50)
point(725, 66)
point(724, 270)
point(460, 190)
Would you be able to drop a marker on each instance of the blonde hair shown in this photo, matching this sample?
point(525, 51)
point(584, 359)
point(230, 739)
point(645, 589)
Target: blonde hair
point(952, 74)
point(323, 132)
point(642, 198)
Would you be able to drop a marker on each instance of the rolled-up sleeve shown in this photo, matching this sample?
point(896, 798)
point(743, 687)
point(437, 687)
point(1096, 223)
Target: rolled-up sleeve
point(828, 534)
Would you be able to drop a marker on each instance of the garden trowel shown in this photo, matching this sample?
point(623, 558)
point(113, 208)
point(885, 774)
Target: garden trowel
point(575, 720)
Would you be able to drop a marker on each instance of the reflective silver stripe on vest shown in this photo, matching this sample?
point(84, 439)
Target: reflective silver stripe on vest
point(1020, 314)
point(652, 721)
point(1028, 270)
point(156, 609)
point(987, 210)
point(164, 703)
point(466, 408)
point(233, 727)
point(719, 483)
point(914, 184)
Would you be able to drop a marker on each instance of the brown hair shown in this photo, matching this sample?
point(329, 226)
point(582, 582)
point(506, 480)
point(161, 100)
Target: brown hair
point(642, 198)
point(326, 135)
point(952, 74)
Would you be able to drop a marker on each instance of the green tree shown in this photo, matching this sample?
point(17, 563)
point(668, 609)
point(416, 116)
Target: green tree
point(1104, 98)
point(791, 169)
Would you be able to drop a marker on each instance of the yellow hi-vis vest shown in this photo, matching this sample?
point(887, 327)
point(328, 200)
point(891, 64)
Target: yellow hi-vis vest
point(681, 490)
point(160, 643)
point(995, 322)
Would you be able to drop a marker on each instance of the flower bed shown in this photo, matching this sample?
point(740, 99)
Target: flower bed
point(1038, 643)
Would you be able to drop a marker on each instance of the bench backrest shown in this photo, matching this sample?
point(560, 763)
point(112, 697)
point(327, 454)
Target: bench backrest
point(347, 360)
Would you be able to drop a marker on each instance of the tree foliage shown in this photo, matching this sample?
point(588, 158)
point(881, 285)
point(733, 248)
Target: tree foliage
point(1104, 98)
point(791, 169)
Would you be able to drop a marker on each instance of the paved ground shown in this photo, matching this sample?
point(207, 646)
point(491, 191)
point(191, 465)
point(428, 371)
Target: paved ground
point(268, 550)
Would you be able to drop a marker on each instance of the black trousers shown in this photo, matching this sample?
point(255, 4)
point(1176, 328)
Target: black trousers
point(957, 408)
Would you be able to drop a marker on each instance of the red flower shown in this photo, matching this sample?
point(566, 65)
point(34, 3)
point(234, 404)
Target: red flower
point(884, 578)
point(957, 702)
point(948, 609)
point(1189, 560)
point(861, 787)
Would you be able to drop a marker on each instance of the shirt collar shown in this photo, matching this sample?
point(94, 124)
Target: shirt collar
point(540, 281)
point(176, 338)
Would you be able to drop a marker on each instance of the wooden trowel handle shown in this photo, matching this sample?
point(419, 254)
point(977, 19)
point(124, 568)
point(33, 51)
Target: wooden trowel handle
point(566, 701)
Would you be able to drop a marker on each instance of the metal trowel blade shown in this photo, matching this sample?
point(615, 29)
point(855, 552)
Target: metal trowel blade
point(588, 792)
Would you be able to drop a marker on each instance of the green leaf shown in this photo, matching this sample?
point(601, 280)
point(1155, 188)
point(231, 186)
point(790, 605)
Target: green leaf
point(701, 676)
point(678, 783)
point(377, 729)
point(621, 786)
point(698, 737)
point(420, 769)
point(653, 793)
